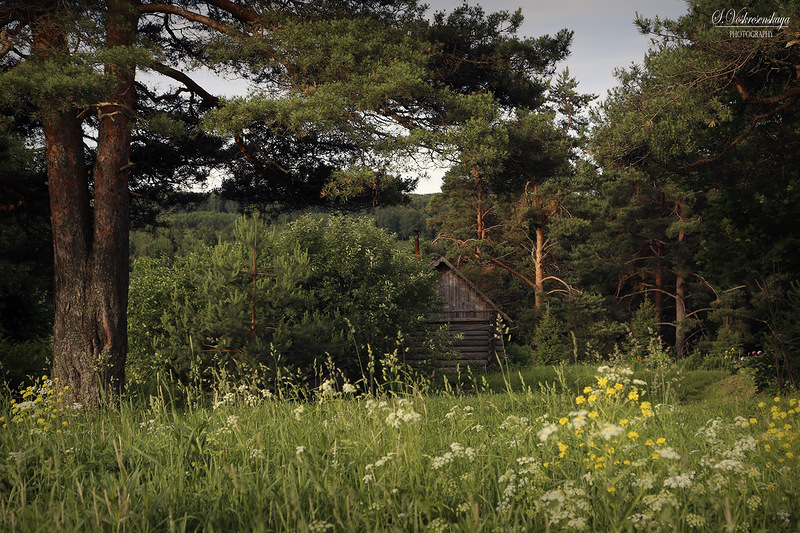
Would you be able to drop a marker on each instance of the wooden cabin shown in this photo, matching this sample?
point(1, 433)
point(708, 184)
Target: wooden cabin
point(471, 319)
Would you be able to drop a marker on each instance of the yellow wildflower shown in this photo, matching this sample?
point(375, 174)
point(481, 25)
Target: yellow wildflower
point(633, 435)
point(661, 440)
point(593, 414)
point(564, 421)
point(633, 396)
point(602, 382)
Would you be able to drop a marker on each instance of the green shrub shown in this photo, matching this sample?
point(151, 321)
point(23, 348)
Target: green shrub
point(20, 361)
point(270, 301)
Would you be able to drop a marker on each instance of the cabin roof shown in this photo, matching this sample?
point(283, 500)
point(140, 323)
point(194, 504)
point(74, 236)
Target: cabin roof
point(442, 263)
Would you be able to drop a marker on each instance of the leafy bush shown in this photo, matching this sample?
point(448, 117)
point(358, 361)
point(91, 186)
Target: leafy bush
point(271, 301)
point(357, 270)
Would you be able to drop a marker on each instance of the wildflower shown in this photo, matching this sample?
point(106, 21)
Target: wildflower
point(761, 404)
point(256, 454)
point(587, 390)
point(661, 440)
point(348, 388)
point(602, 382)
point(592, 398)
point(300, 449)
point(580, 399)
point(564, 421)
point(318, 526)
point(695, 520)
point(754, 502)
point(633, 435)
point(593, 414)
point(562, 449)
point(610, 431)
point(298, 412)
point(633, 396)
point(546, 431)
point(668, 453)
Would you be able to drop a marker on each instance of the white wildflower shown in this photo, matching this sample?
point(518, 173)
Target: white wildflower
point(546, 431)
point(298, 412)
point(16, 456)
point(553, 495)
point(680, 481)
point(668, 453)
point(328, 387)
point(232, 422)
point(256, 454)
point(348, 388)
point(318, 526)
point(729, 464)
point(439, 462)
point(610, 431)
point(299, 450)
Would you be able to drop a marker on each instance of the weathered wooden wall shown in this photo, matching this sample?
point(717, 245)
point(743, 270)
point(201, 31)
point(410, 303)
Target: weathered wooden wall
point(470, 318)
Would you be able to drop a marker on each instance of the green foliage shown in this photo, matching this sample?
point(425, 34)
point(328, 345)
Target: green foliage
point(21, 361)
point(238, 308)
point(551, 343)
point(269, 301)
point(591, 451)
point(357, 270)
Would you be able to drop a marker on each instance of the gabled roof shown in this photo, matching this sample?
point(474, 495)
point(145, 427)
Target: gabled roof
point(442, 262)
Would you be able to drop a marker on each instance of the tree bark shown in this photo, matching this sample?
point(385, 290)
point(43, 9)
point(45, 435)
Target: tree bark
point(538, 263)
point(680, 305)
point(91, 287)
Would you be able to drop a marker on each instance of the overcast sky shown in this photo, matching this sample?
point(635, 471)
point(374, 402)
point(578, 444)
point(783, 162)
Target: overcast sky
point(605, 37)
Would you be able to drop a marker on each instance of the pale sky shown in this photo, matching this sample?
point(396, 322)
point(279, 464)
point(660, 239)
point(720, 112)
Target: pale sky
point(605, 37)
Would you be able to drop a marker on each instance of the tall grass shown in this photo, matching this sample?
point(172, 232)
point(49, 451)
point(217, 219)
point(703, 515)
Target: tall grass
point(598, 455)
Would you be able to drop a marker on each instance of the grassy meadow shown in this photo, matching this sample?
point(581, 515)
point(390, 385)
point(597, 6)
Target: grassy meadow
point(576, 448)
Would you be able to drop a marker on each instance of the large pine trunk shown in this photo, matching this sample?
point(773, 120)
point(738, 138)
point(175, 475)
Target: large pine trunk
point(91, 252)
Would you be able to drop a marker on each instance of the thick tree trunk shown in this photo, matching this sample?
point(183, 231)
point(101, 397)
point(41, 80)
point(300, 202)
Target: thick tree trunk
point(73, 362)
point(90, 336)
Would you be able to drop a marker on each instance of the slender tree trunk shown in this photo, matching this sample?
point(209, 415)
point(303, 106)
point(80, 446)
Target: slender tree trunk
point(90, 336)
point(538, 264)
point(658, 298)
point(680, 305)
